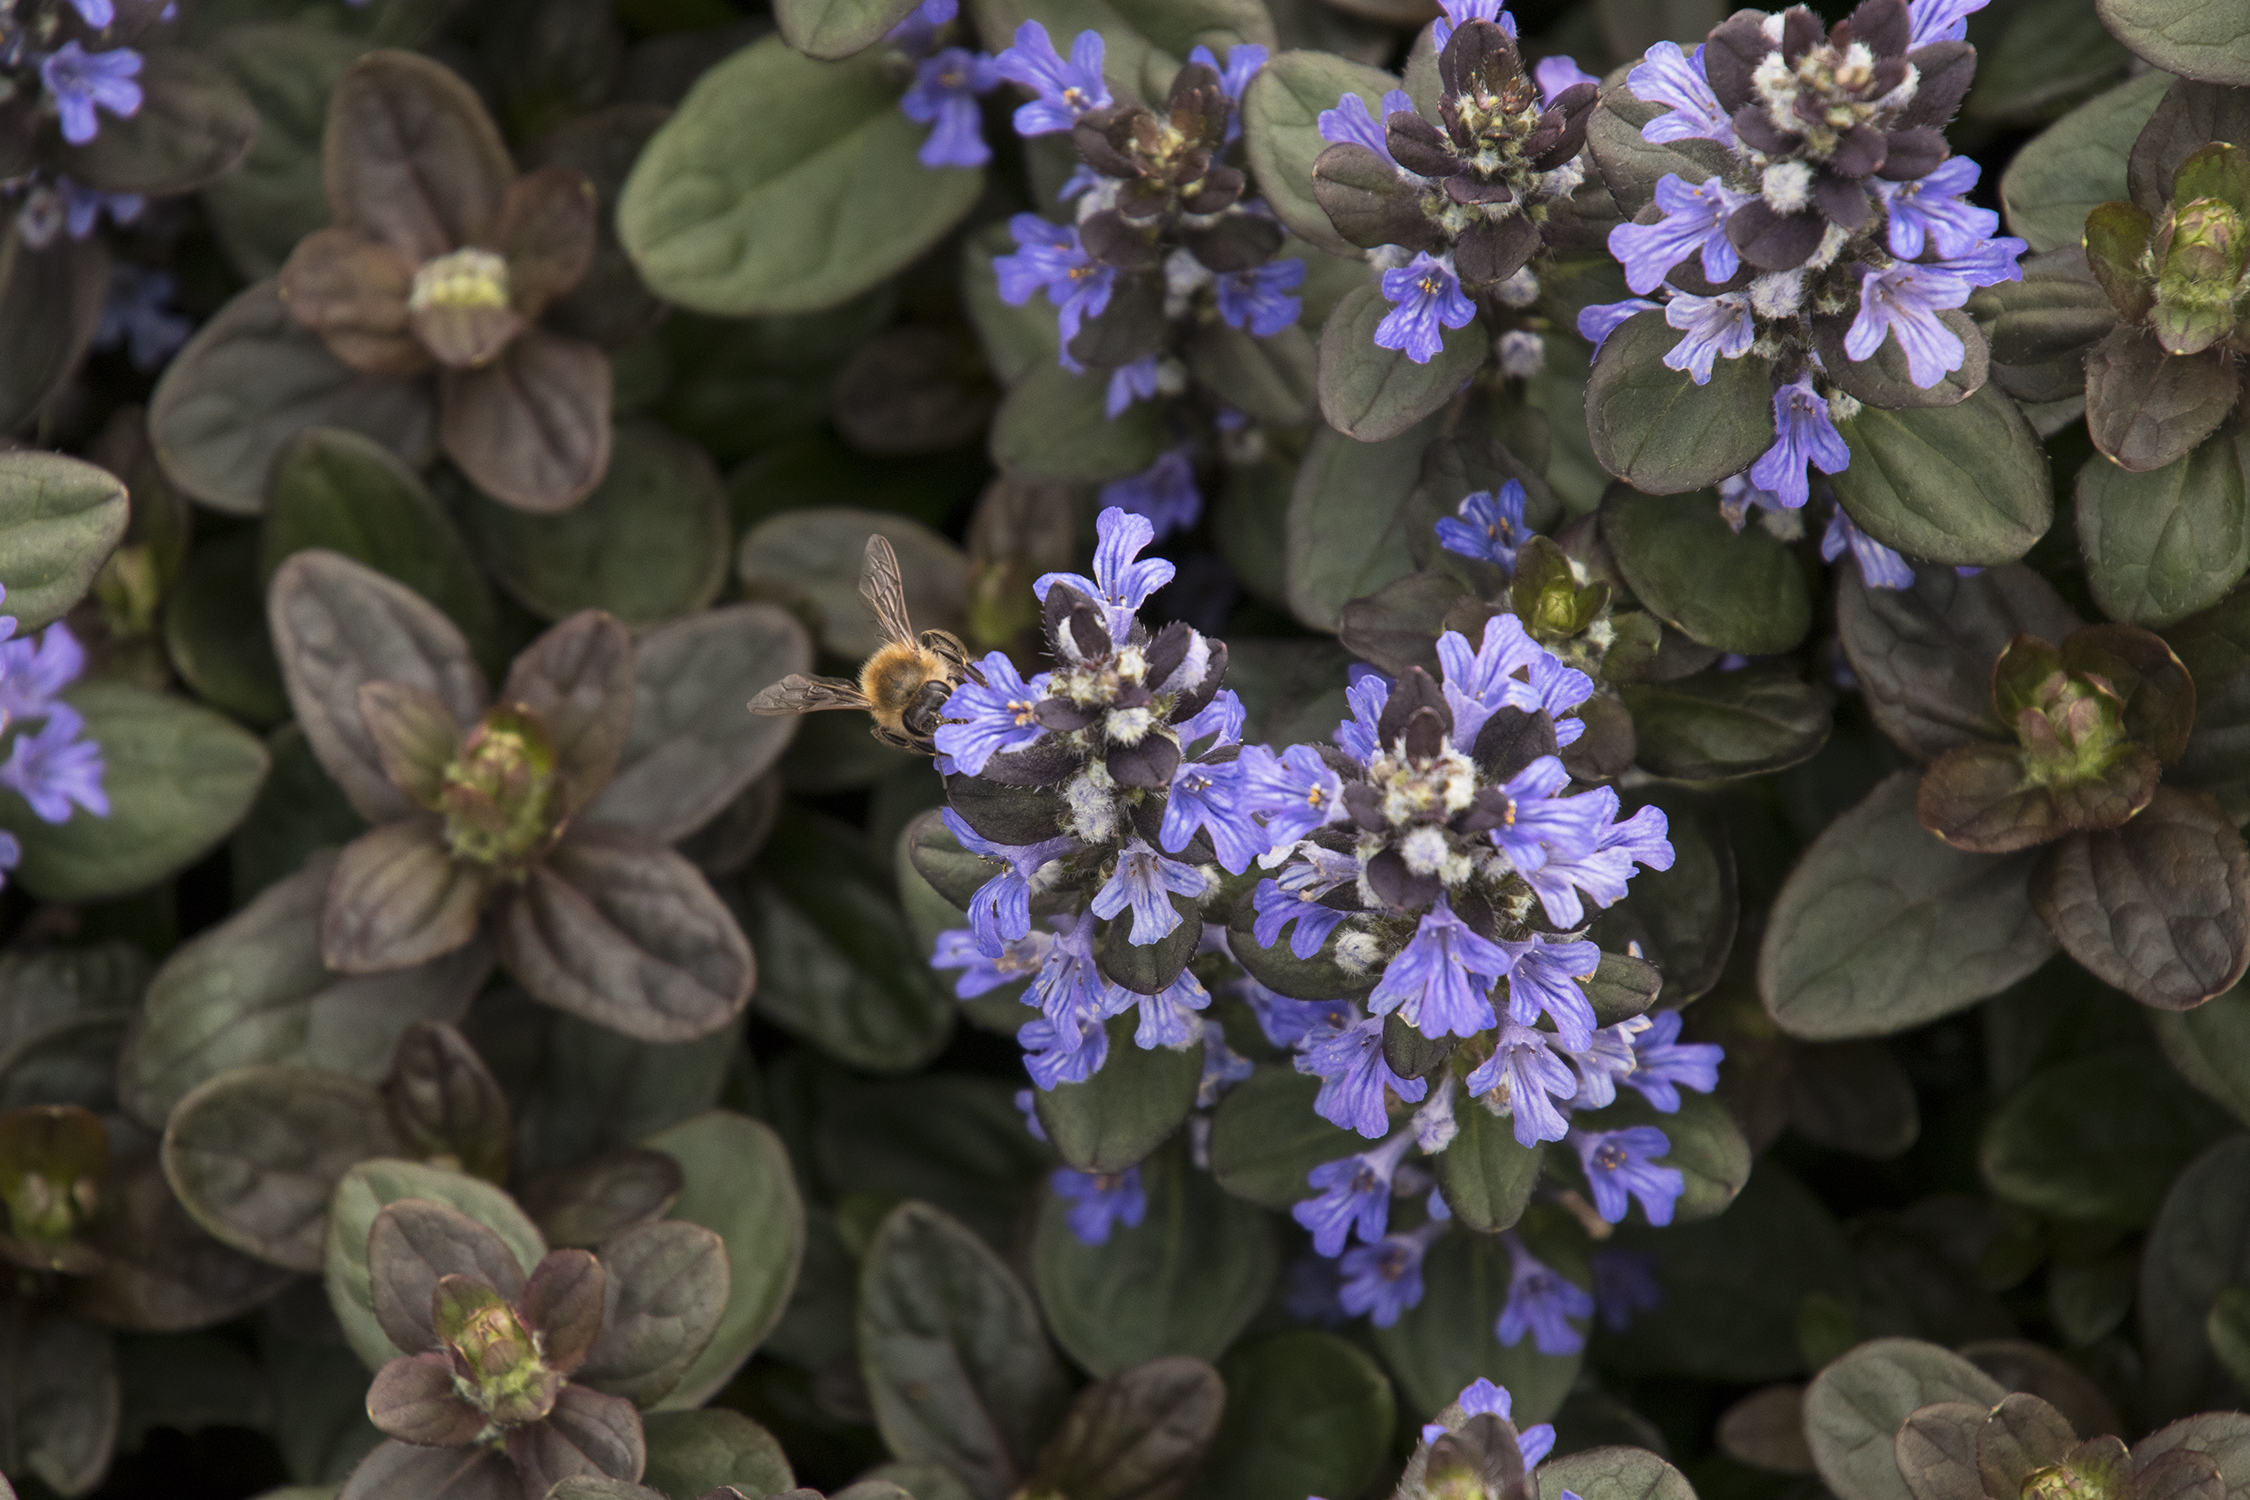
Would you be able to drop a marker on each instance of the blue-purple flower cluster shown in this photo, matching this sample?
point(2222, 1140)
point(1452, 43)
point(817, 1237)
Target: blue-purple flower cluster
point(57, 54)
point(1204, 252)
point(55, 766)
point(1141, 741)
point(1471, 198)
point(1427, 847)
point(1841, 200)
point(948, 81)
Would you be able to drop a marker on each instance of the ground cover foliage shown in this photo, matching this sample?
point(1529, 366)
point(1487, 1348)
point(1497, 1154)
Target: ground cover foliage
point(1564, 721)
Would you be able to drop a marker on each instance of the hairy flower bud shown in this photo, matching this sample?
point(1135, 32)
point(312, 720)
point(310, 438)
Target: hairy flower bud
point(500, 792)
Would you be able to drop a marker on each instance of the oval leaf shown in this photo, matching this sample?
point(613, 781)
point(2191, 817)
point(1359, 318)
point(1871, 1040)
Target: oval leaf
point(59, 520)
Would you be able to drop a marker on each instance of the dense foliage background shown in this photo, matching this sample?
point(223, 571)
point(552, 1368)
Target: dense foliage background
point(1578, 834)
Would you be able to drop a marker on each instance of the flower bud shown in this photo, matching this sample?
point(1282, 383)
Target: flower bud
point(499, 798)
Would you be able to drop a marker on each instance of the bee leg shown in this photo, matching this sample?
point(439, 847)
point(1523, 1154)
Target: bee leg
point(898, 741)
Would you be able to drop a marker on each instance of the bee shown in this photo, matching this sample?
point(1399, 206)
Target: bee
point(904, 685)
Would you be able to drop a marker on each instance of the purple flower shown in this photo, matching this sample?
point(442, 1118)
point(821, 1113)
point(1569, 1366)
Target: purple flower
point(983, 719)
point(1695, 221)
point(1167, 1017)
point(1544, 825)
point(78, 80)
point(1365, 692)
point(1066, 90)
point(1717, 328)
point(1559, 689)
point(1208, 795)
point(1441, 982)
point(1027, 1105)
point(1554, 74)
point(1120, 584)
point(1600, 1063)
point(1243, 63)
point(1000, 911)
point(11, 855)
point(1349, 1062)
point(1295, 792)
point(1355, 1194)
point(1597, 322)
point(1279, 903)
point(83, 206)
point(1602, 869)
point(35, 668)
point(1100, 1202)
point(1663, 1064)
point(1487, 526)
point(1666, 76)
point(1221, 718)
point(1164, 492)
point(958, 948)
point(1069, 989)
point(1384, 1279)
point(1738, 497)
point(1427, 293)
point(1479, 684)
point(1052, 259)
point(1625, 1283)
point(912, 35)
point(1987, 264)
point(136, 315)
point(1481, 1398)
point(1879, 566)
point(1055, 1055)
point(1904, 301)
point(1618, 1164)
point(1350, 123)
point(1802, 432)
point(1434, 1130)
point(1140, 881)
point(1542, 979)
point(1940, 20)
point(1287, 1022)
point(1223, 1067)
point(1308, 1291)
point(1525, 1079)
point(1264, 298)
point(1462, 12)
point(95, 13)
point(944, 97)
point(1541, 1302)
point(1129, 383)
point(1930, 211)
point(53, 768)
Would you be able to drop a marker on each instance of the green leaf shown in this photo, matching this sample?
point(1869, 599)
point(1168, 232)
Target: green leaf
point(738, 1186)
point(2160, 546)
point(2045, 60)
point(59, 520)
point(365, 1191)
point(1372, 393)
point(2225, 1435)
point(2096, 1138)
point(1622, 1473)
point(1855, 1407)
point(833, 29)
point(253, 378)
point(1447, 1341)
point(649, 544)
point(1147, 39)
point(256, 1152)
point(2146, 407)
point(600, 1089)
point(811, 560)
point(1953, 484)
point(1630, 165)
point(1281, 131)
point(178, 778)
point(694, 746)
point(298, 812)
point(1776, 1237)
point(2063, 173)
point(783, 184)
point(2198, 1246)
point(1659, 431)
point(275, 197)
point(215, 630)
point(2180, 857)
point(2210, 1046)
point(1725, 724)
point(1683, 918)
point(51, 304)
point(253, 990)
point(1186, 1280)
point(1265, 1138)
point(1881, 926)
point(952, 1141)
point(1128, 1108)
point(1307, 1414)
point(1350, 519)
point(1487, 1176)
point(1736, 591)
point(60, 1393)
point(2209, 42)
point(344, 491)
point(958, 1371)
point(691, 1453)
point(1272, 379)
point(667, 1287)
point(1140, 1433)
point(1054, 427)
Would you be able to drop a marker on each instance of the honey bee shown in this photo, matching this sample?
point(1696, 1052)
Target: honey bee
point(903, 686)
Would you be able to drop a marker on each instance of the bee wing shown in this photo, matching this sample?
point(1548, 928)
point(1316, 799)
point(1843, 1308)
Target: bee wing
point(885, 591)
point(796, 694)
